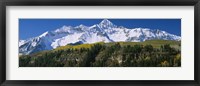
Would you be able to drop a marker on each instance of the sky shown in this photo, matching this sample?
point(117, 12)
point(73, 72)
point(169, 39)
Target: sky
point(29, 28)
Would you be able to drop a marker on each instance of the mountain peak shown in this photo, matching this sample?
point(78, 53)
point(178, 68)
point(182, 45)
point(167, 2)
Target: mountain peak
point(63, 29)
point(81, 26)
point(105, 23)
point(44, 34)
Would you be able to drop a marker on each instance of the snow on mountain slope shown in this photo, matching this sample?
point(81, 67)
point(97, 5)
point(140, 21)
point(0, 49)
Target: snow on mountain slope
point(21, 42)
point(71, 38)
point(105, 31)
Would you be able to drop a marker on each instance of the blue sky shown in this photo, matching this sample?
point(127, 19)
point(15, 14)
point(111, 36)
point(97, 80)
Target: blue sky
point(34, 27)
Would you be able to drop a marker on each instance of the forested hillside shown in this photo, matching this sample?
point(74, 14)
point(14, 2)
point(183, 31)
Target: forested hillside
point(152, 53)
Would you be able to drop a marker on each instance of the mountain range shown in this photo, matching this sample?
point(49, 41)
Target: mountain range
point(105, 31)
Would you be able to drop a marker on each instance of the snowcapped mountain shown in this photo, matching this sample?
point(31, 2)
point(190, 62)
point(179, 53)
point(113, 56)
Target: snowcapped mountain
point(105, 31)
